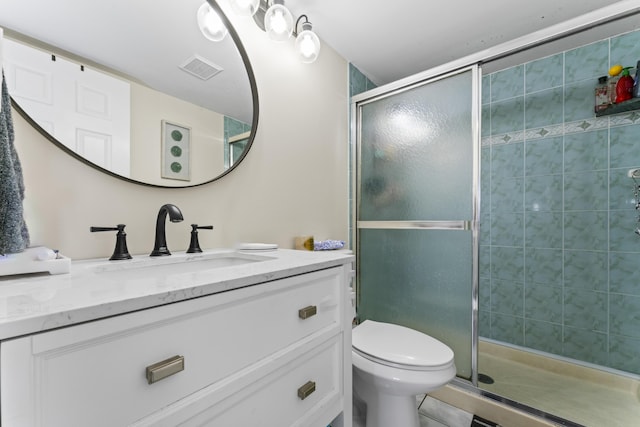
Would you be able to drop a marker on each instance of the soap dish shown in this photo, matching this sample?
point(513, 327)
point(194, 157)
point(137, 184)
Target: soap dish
point(34, 260)
point(257, 247)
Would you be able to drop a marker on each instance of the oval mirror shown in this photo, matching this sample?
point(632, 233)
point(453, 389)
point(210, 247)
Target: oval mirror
point(132, 88)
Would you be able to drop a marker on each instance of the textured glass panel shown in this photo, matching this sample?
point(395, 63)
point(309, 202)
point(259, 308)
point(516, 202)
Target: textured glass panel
point(416, 153)
point(420, 279)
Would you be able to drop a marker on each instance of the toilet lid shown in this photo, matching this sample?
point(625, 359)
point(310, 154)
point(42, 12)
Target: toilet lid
point(400, 345)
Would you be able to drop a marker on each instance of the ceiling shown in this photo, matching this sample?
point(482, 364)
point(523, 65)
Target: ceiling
point(384, 40)
point(146, 40)
point(389, 40)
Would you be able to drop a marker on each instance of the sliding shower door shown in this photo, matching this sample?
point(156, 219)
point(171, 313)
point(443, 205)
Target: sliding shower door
point(416, 216)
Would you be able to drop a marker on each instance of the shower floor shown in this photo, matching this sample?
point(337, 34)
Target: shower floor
point(580, 394)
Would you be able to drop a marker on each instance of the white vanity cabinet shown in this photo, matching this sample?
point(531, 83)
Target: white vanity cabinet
point(270, 354)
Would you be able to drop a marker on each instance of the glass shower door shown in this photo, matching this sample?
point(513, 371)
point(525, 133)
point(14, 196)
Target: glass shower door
point(417, 151)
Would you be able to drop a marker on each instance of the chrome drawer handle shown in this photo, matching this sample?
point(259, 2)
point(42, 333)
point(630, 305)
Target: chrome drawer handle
point(306, 390)
point(166, 368)
point(305, 313)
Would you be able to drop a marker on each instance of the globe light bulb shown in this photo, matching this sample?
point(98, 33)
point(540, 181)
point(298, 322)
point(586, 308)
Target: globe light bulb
point(307, 44)
point(210, 23)
point(278, 21)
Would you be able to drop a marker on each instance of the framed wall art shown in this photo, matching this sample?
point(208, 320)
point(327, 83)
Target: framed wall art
point(176, 153)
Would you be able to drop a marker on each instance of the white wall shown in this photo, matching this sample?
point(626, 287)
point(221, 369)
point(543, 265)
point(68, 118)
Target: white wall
point(148, 108)
point(293, 181)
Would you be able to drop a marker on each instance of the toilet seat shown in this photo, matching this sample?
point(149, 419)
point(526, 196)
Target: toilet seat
point(400, 347)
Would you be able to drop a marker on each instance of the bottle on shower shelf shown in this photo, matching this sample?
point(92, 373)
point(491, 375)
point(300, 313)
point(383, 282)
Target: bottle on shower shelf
point(614, 76)
point(623, 89)
point(602, 100)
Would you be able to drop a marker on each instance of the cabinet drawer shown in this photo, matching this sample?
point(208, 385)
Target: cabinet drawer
point(278, 399)
point(94, 374)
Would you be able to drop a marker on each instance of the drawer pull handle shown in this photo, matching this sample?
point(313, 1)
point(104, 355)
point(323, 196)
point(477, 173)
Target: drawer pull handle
point(305, 313)
point(166, 368)
point(306, 390)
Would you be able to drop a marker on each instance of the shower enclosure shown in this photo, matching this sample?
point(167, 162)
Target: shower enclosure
point(418, 145)
point(558, 253)
point(493, 208)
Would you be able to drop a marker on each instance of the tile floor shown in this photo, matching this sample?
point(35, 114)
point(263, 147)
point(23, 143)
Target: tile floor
point(433, 413)
point(583, 395)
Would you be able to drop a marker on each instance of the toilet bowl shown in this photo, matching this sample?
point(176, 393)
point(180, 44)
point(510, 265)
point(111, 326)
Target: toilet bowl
point(391, 365)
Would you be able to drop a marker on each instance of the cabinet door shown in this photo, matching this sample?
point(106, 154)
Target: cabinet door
point(95, 374)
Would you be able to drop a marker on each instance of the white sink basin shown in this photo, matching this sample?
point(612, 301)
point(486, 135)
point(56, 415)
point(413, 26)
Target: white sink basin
point(179, 264)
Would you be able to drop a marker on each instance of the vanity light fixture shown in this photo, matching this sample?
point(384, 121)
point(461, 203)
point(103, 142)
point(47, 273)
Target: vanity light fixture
point(278, 21)
point(210, 23)
point(307, 42)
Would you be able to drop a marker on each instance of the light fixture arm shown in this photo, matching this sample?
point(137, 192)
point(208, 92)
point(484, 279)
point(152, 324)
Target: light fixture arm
point(258, 17)
point(306, 21)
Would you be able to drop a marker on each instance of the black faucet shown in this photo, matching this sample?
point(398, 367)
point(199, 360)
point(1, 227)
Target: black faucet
point(120, 252)
point(160, 246)
point(194, 246)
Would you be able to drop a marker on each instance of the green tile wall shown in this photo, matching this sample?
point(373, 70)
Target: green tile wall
point(559, 260)
point(358, 82)
point(232, 127)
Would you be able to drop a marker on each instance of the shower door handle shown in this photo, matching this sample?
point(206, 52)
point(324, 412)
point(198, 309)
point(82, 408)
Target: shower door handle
point(417, 225)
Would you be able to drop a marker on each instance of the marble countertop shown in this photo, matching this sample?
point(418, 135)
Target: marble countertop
point(96, 289)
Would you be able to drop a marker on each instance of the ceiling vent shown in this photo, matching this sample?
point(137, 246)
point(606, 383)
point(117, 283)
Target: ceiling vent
point(200, 67)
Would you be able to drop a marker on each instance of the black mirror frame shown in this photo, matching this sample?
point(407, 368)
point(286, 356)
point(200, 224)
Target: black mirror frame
point(254, 123)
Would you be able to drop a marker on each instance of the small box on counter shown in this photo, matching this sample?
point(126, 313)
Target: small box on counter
point(304, 243)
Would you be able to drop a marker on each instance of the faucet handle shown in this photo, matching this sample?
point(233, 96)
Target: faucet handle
point(120, 252)
point(194, 246)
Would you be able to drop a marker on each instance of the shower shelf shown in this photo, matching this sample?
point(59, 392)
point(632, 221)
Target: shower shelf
point(632, 104)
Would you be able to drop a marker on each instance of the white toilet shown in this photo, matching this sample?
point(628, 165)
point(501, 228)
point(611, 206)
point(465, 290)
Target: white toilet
point(391, 365)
